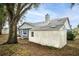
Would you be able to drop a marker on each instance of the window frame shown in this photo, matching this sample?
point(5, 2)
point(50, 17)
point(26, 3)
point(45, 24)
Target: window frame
point(24, 31)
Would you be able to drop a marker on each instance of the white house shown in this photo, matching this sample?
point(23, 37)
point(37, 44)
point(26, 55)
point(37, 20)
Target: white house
point(24, 29)
point(49, 33)
point(5, 29)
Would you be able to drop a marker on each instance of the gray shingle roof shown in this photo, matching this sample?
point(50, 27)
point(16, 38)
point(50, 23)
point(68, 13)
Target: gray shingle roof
point(55, 24)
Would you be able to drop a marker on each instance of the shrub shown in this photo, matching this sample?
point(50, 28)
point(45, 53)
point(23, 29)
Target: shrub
point(75, 33)
point(70, 35)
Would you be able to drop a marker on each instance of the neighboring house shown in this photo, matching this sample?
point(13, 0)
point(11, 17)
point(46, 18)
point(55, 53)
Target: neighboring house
point(5, 29)
point(50, 32)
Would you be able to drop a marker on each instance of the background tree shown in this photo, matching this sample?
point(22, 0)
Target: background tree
point(15, 11)
point(2, 17)
point(76, 30)
point(78, 26)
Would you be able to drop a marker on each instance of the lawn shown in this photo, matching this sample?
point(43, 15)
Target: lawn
point(26, 48)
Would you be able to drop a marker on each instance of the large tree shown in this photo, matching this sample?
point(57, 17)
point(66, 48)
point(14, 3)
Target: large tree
point(2, 17)
point(15, 11)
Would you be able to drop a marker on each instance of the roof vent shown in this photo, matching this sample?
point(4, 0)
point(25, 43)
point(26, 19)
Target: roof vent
point(53, 26)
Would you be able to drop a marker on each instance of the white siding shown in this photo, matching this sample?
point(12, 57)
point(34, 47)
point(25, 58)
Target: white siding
point(25, 26)
point(66, 24)
point(63, 38)
point(49, 38)
point(5, 31)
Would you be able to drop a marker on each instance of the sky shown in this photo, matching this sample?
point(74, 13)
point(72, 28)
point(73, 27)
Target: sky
point(55, 10)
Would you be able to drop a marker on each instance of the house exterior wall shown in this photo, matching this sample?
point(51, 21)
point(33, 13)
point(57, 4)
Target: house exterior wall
point(49, 38)
point(66, 24)
point(5, 31)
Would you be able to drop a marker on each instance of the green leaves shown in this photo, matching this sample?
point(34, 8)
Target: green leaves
point(78, 26)
point(2, 13)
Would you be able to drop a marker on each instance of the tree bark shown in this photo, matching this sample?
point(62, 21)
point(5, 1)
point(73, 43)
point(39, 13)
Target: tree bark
point(12, 39)
point(0, 31)
point(0, 28)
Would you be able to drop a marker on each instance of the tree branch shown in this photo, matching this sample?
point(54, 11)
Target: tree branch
point(10, 11)
point(23, 6)
point(23, 11)
point(27, 8)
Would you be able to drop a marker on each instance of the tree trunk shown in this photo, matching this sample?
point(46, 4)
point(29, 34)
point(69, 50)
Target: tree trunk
point(12, 39)
point(0, 29)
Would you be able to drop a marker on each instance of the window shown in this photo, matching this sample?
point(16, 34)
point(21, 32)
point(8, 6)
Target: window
point(24, 31)
point(32, 34)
